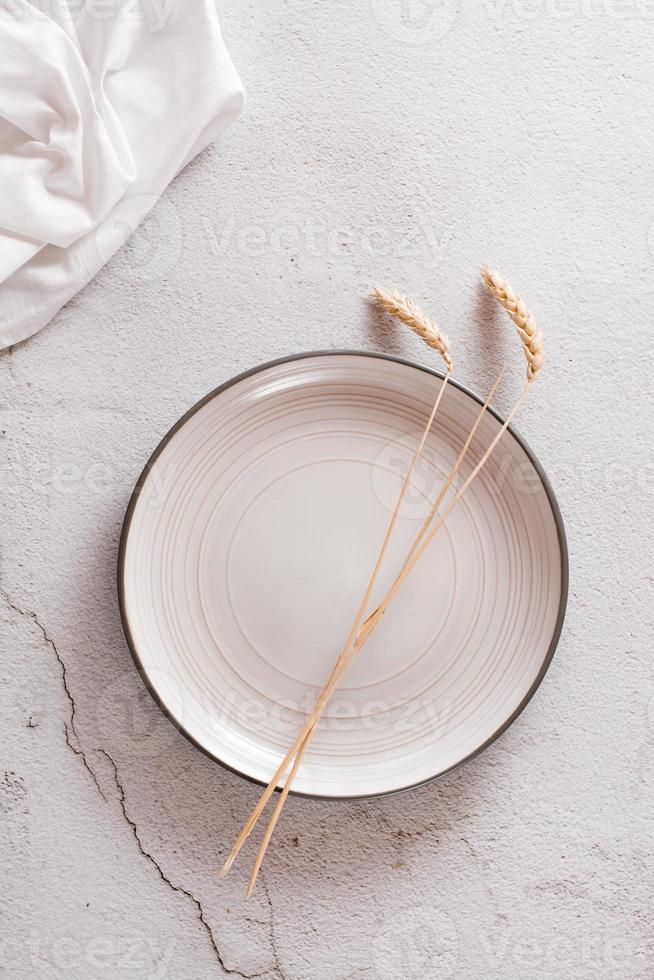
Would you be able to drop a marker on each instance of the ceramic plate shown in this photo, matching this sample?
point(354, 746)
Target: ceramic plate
point(250, 539)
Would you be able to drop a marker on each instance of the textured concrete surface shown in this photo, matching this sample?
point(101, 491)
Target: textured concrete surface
point(377, 146)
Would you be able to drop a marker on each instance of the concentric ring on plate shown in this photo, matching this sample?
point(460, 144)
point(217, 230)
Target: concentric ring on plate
point(249, 540)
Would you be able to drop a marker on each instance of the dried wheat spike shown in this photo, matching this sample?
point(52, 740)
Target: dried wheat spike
point(532, 339)
point(393, 302)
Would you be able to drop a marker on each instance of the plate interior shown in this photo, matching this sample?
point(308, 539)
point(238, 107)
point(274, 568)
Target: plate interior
point(252, 539)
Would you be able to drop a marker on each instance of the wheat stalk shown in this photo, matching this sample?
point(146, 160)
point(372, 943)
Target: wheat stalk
point(532, 343)
point(399, 306)
point(393, 302)
point(532, 339)
point(343, 659)
point(375, 616)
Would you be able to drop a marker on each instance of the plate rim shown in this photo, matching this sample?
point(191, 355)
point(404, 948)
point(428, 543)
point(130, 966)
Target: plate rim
point(290, 358)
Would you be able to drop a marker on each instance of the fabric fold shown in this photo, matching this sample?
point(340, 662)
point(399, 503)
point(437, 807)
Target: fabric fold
point(96, 117)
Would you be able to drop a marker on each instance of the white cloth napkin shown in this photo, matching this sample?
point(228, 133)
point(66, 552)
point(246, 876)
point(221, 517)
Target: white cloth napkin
point(102, 102)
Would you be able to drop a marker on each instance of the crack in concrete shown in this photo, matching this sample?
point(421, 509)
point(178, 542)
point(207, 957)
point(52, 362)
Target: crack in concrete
point(271, 930)
point(82, 755)
point(176, 888)
point(74, 745)
point(69, 726)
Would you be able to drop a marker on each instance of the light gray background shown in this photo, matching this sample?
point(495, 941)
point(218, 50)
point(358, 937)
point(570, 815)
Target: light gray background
point(374, 149)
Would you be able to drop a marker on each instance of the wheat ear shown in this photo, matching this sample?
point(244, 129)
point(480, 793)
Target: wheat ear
point(532, 339)
point(397, 305)
point(532, 344)
point(393, 302)
point(407, 312)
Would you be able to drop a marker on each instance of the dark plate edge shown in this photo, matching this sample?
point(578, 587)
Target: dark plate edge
point(563, 546)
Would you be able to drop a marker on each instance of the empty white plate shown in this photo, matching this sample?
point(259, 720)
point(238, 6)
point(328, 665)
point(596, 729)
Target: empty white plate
point(250, 539)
